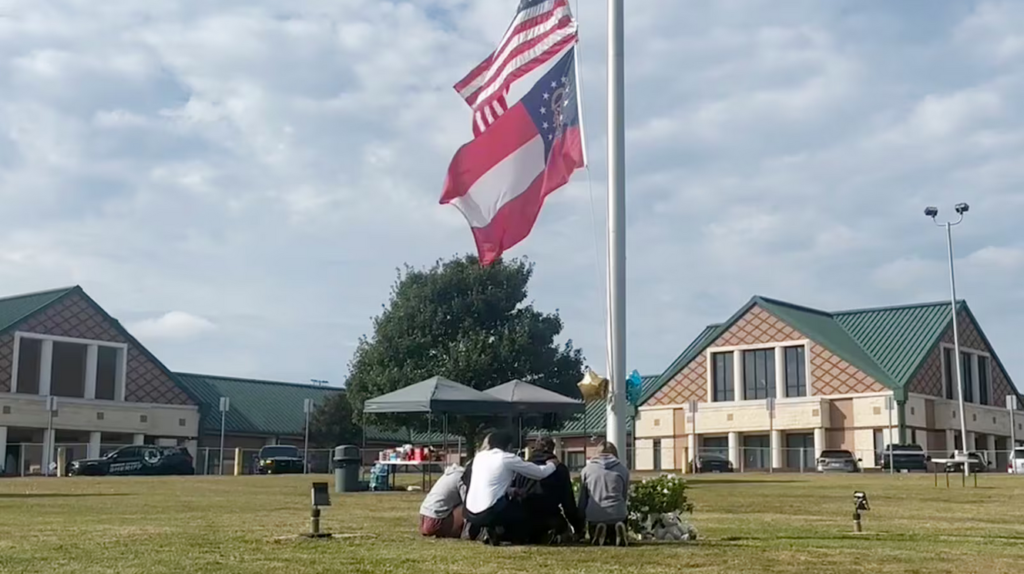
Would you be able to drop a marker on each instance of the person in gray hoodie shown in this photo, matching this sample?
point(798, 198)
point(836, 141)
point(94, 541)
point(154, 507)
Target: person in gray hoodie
point(441, 514)
point(604, 491)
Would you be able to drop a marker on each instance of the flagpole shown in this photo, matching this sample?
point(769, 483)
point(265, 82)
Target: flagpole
point(616, 226)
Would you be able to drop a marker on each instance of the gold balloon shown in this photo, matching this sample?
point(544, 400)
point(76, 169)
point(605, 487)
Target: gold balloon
point(593, 386)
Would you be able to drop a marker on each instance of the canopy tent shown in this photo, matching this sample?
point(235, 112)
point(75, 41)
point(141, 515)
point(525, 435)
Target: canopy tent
point(441, 396)
point(528, 398)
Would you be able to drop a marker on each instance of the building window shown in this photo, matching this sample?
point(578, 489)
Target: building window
point(722, 377)
point(30, 352)
point(965, 377)
point(796, 372)
point(575, 459)
point(949, 361)
point(759, 374)
point(657, 453)
point(983, 380)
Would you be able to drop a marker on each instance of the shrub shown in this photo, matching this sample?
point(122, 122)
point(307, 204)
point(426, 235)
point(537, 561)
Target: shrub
point(652, 498)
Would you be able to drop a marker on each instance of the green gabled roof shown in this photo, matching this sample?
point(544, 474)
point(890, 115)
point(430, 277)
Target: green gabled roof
point(274, 408)
point(14, 309)
point(257, 407)
point(898, 338)
point(888, 344)
point(592, 421)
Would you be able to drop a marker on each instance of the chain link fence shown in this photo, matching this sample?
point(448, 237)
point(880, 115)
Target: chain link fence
point(28, 459)
point(762, 458)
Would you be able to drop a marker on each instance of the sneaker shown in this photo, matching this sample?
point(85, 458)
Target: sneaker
point(620, 534)
point(600, 533)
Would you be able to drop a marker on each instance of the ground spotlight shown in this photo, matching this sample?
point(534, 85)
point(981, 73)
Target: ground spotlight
point(321, 497)
point(860, 501)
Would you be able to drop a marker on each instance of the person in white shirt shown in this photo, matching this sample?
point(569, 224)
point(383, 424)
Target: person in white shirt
point(488, 504)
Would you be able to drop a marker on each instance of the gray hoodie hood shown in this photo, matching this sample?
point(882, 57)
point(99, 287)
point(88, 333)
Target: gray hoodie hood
point(606, 461)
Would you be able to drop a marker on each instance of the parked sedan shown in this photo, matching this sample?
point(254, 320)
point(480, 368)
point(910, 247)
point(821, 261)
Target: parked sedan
point(838, 461)
point(280, 459)
point(136, 460)
point(713, 463)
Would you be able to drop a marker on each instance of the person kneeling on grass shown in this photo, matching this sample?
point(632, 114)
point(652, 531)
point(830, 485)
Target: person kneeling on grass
point(550, 505)
point(488, 504)
point(441, 514)
point(604, 488)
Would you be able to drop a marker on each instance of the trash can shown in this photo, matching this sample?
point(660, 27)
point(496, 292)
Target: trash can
point(346, 468)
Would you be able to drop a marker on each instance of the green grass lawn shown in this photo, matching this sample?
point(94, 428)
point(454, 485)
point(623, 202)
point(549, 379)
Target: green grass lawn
point(748, 523)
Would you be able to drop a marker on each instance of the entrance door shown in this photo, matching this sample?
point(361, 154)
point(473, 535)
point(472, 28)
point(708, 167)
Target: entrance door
point(757, 452)
point(800, 450)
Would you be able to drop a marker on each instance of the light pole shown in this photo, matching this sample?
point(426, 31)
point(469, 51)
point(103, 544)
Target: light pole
point(933, 213)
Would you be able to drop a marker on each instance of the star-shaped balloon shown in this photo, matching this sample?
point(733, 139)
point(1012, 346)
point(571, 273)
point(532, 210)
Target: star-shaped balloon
point(593, 386)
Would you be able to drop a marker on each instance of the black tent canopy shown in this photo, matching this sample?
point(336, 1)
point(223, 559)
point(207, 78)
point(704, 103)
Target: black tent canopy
point(440, 396)
point(527, 398)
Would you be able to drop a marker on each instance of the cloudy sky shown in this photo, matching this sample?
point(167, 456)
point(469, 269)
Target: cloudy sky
point(238, 181)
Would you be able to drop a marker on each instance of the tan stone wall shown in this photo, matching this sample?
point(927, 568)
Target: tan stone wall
point(74, 316)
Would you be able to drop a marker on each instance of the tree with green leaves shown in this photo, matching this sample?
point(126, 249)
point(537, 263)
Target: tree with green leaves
point(332, 423)
point(468, 323)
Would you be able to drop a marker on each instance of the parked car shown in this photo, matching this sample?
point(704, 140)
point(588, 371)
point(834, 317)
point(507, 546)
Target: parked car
point(136, 460)
point(280, 459)
point(713, 463)
point(1016, 463)
point(838, 460)
point(907, 457)
point(977, 462)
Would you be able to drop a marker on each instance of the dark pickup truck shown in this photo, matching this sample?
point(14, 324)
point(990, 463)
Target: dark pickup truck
point(280, 459)
point(907, 457)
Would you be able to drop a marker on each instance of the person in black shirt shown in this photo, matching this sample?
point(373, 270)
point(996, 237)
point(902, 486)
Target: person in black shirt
point(549, 503)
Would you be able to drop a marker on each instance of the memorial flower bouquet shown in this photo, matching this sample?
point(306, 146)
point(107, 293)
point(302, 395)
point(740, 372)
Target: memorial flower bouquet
point(655, 508)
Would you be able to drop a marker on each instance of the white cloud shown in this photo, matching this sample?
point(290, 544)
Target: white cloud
point(999, 258)
point(173, 325)
point(268, 165)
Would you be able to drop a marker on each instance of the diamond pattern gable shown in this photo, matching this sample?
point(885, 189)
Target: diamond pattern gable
point(755, 327)
point(6, 361)
point(928, 380)
point(831, 375)
point(75, 315)
point(971, 338)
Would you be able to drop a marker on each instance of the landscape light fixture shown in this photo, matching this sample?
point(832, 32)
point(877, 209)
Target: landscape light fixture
point(860, 504)
point(933, 212)
point(321, 497)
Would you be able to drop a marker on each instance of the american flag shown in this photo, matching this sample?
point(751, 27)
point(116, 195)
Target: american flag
point(540, 31)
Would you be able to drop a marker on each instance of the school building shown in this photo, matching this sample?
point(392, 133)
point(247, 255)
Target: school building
point(778, 383)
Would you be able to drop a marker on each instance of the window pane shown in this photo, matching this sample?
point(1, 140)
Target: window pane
point(759, 374)
point(948, 353)
point(722, 377)
point(796, 375)
point(983, 366)
point(749, 376)
point(965, 377)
